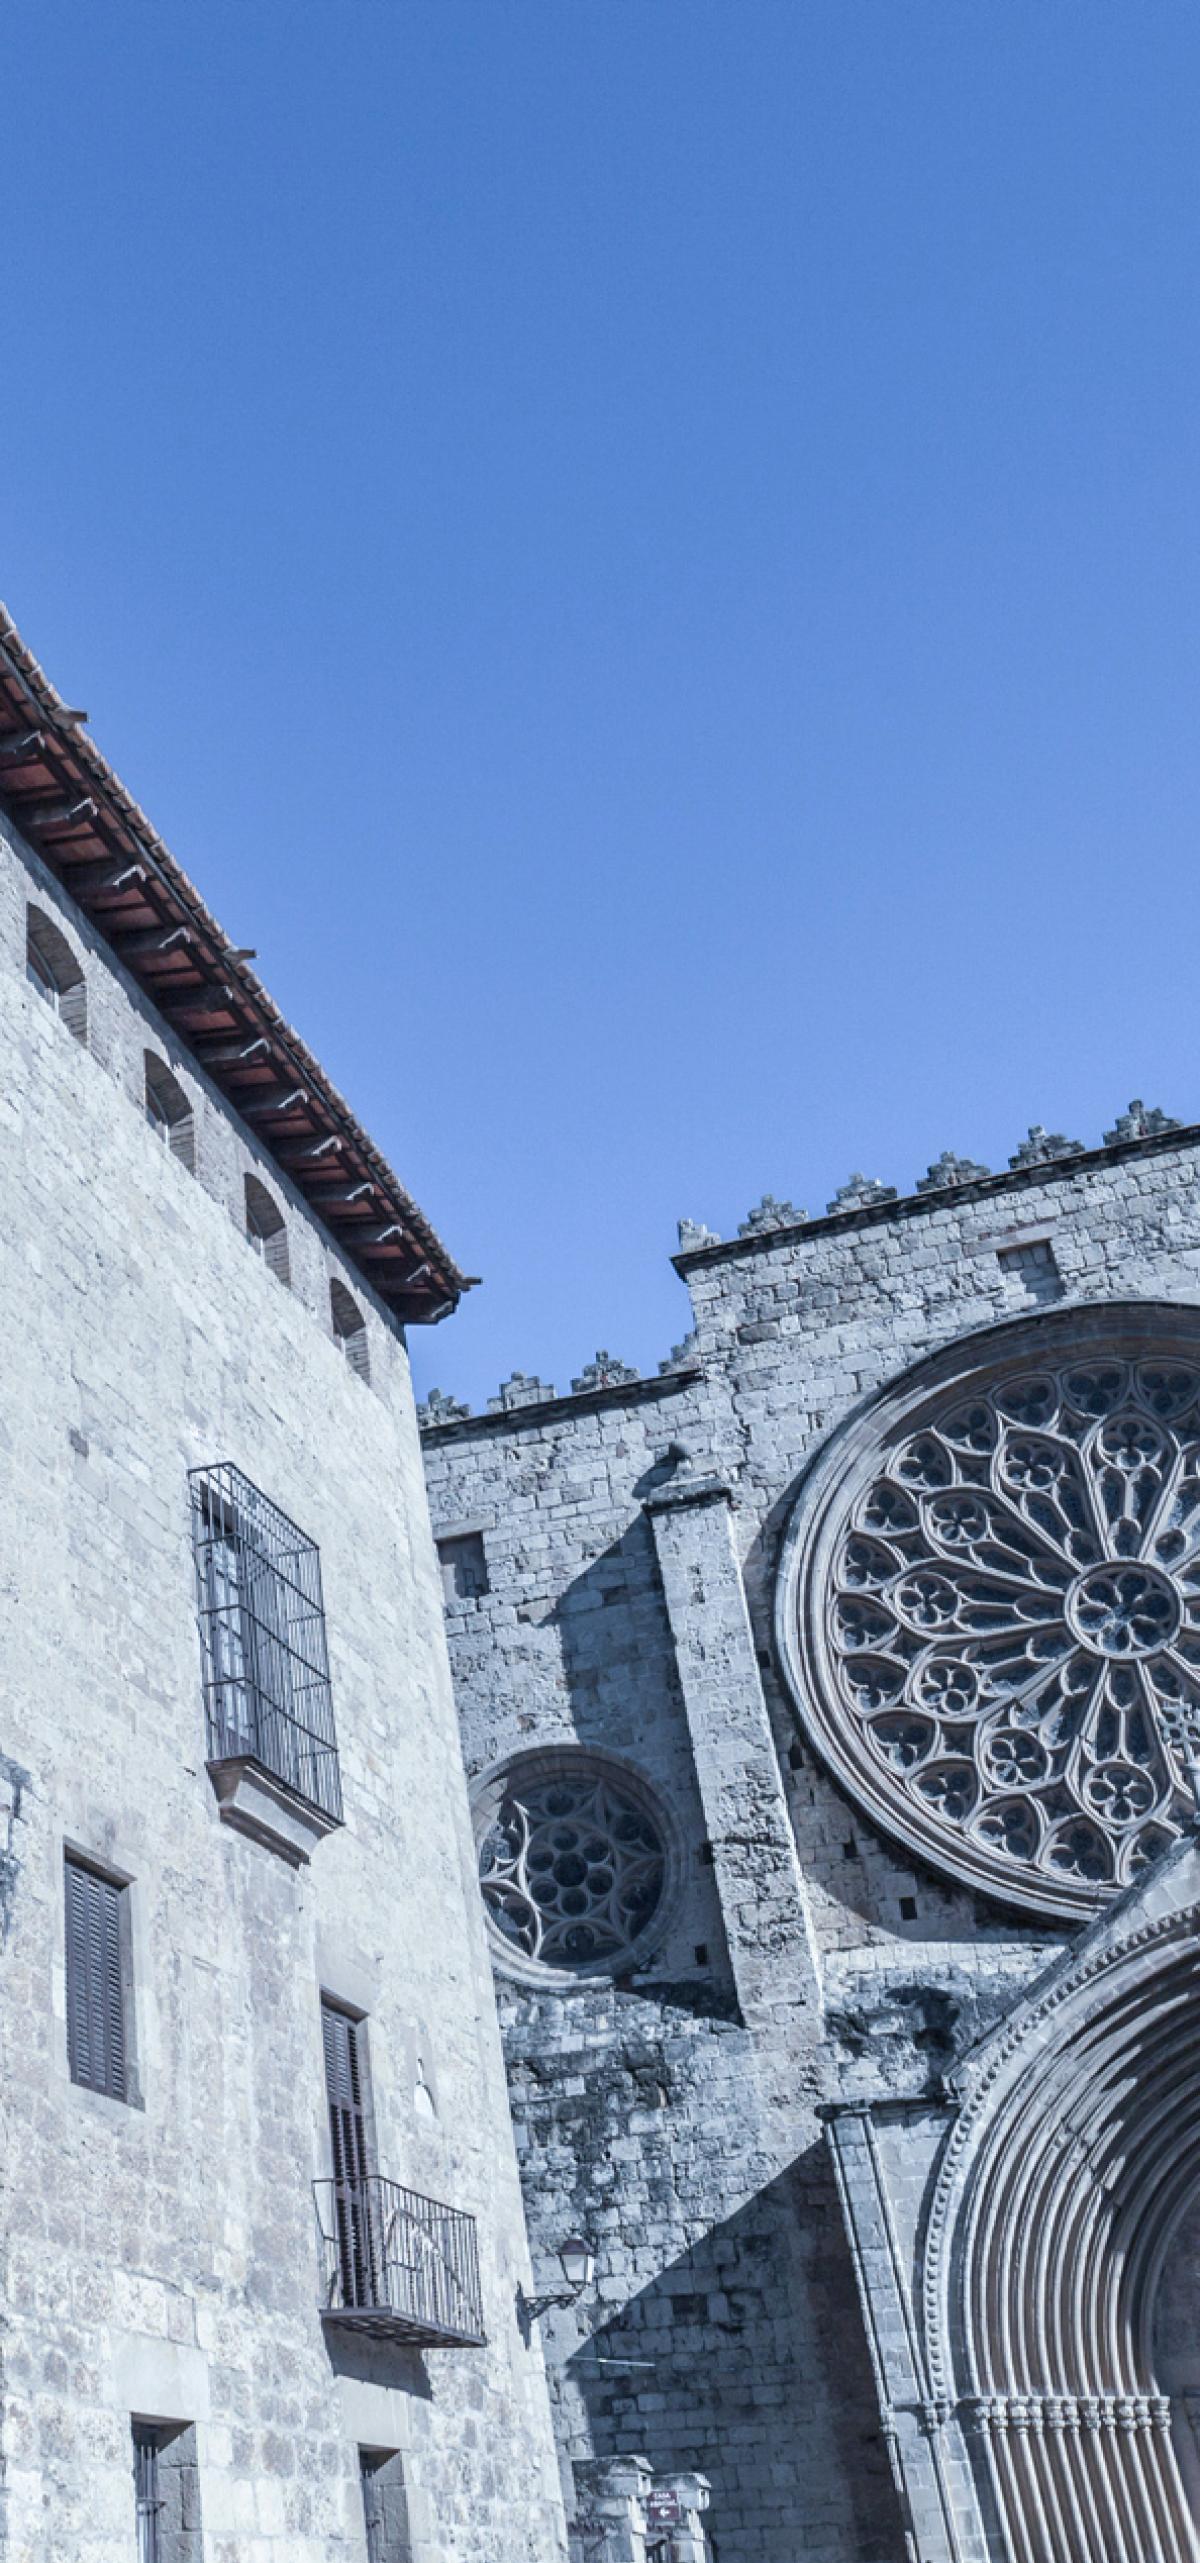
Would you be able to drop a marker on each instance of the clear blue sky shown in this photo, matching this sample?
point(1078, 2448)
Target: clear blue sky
point(645, 554)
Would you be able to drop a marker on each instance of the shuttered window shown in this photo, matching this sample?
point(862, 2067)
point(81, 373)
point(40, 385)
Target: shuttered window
point(345, 2088)
point(96, 2043)
point(344, 2084)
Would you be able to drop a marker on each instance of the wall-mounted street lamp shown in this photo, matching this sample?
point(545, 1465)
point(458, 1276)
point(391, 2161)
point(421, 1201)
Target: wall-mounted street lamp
point(578, 2262)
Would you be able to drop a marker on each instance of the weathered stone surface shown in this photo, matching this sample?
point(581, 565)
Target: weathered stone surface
point(676, 2114)
point(162, 2258)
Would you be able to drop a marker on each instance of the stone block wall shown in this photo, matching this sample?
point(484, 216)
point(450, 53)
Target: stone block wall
point(161, 2259)
point(631, 1536)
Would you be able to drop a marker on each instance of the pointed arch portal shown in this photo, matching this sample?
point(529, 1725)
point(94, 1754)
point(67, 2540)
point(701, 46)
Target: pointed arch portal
point(1035, 2310)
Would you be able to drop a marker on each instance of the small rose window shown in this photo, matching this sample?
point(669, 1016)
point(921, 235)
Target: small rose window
point(572, 1863)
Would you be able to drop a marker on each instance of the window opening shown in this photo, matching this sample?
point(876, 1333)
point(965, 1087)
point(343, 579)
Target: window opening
point(266, 1230)
point(349, 1329)
point(147, 2495)
point(573, 1865)
point(51, 968)
point(463, 1563)
point(168, 1111)
point(385, 2506)
point(345, 2078)
point(167, 2492)
point(1034, 1267)
point(96, 2040)
point(262, 1619)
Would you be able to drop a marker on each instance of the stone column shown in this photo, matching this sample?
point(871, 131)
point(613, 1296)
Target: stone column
point(737, 1767)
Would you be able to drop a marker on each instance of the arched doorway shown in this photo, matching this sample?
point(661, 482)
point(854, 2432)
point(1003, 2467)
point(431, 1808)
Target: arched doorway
point(1064, 2255)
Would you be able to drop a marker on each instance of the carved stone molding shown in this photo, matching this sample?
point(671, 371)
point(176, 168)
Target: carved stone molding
point(989, 1603)
point(578, 1863)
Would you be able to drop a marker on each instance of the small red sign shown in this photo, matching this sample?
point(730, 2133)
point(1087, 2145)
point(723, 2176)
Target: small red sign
point(663, 2508)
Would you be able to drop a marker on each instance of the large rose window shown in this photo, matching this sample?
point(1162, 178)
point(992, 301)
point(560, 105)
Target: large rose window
point(994, 1629)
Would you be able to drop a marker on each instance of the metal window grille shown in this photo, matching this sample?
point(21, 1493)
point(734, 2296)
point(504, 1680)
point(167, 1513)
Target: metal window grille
point(399, 2265)
point(146, 2493)
point(95, 1981)
point(262, 1623)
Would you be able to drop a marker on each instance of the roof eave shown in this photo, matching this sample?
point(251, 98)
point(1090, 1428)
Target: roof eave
point(65, 799)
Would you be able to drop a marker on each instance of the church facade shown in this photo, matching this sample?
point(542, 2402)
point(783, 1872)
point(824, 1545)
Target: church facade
point(830, 1703)
point(705, 2067)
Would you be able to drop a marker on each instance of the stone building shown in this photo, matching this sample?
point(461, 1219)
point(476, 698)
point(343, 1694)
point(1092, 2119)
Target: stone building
point(263, 2250)
point(830, 1703)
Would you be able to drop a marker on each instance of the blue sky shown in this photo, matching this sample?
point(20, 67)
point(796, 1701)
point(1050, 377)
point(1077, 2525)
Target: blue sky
point(645, 554)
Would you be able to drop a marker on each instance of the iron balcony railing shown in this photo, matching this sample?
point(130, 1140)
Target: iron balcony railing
point(398, 2265)
point(262, 1624)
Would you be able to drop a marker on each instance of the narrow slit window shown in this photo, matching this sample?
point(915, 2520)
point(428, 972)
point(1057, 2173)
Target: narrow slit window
point(166, 2479)
point(349, 1328)
point(266, 1230)
point(168, 1111)
point(97, 1980)
point(51, 968)
point(147, 2496)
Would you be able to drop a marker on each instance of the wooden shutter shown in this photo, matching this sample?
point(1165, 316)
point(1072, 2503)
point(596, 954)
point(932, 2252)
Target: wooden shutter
point(344, 2086)
point(353, 2201)
point(95, 1982)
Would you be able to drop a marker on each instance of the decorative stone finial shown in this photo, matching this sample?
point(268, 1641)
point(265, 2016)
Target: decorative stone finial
point(1042, 1145)
point(949, 1169)
point(440, 1409)
point(769, 1213)
point(523, 1389)
point(1140, 1122)
point(604, 1372)
point(681, 1355)
point(860, 1192)
point(692, 1232)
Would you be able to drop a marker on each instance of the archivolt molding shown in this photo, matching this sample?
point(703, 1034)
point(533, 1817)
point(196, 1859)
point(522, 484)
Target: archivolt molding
point(988, 1606)
point(1073, 2158)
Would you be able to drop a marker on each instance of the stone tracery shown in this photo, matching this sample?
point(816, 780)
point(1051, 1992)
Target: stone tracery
point(1007, 1623)
point(572, 1867)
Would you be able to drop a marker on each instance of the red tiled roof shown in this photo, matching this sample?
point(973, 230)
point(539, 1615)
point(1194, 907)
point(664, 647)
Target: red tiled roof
point(66, 800)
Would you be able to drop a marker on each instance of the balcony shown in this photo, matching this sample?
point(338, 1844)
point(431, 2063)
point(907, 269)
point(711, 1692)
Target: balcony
point(398, 2266)
point(272, 1746)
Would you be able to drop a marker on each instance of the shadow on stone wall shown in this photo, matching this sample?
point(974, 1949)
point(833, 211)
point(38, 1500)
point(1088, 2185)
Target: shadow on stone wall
point(378, 2362)
point(623, 1691)
point(758, 2376)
